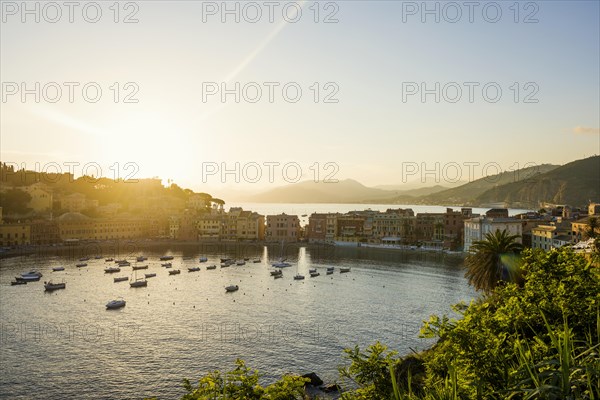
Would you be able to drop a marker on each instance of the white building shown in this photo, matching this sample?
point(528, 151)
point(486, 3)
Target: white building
point(477, 228)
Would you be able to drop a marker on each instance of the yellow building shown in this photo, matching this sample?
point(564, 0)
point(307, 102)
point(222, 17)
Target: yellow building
point(76, 226)
point(41, 197)
point(14, 234)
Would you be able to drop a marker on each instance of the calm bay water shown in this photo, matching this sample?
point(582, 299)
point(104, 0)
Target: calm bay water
point(67, 345)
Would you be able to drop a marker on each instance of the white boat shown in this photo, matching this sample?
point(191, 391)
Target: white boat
point(203, 259)
point(111, 305)
point(150, 275)
point(30, 276)
point(136, 267)
point(166, 265)
point(211, 267)
point(174, 272)
point(58, 269)
point(135, 282)
point(314, 274)
point(232, 288)
point(281, 264)
point(298, 277)
point(344, 270)
point(330, 270)
point(121, 279)
point(311, 270)
point(49, 286)
point(139, 283)
point(80, 265)
point(112, 270)
point(194, 269)
point(124, 263)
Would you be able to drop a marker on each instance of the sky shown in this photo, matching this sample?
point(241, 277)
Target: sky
point(376, 91)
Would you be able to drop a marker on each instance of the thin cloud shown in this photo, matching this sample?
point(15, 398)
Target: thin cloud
point(584, 130)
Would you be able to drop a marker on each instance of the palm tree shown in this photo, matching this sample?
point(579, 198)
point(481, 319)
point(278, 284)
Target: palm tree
point(485, 266)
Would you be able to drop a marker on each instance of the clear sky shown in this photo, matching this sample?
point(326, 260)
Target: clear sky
point(372, 57)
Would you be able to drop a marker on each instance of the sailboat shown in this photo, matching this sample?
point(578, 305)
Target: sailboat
point(141, 282)
point(282, 261)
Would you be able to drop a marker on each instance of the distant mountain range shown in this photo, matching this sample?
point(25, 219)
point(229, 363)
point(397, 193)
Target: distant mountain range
point(575, 183)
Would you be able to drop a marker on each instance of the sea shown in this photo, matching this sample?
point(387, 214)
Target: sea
point(65, 344)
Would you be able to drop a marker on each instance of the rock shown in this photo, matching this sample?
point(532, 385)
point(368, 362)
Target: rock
point(314, 379)
point(332, 387)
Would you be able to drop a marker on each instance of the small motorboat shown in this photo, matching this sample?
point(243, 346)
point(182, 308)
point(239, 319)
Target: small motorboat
point(109, 259)
point(203, 259)
point(310, 271)
point(329, 271)
point(18, 282)
point(211, 267)
point(113, 304)
point(121, 279)
point(224, 260)
point(120, 261)
point(31, 276)
point(174, 272)
point(55, 269)
point(136, 267)
point(231, 288)
point(298, 277)
point(124, 263)
point(166, 258)
point(194, 269)
point(81, 265)
point(240, 263)
point(112, 270)
point(49, 286)
point(166, 265)
point(281, 264)
point(141, 258)
point(225, 265)
point(276, 272)
point(84, 259)
point(314, 274)
point(150, 275)
point(344, 270)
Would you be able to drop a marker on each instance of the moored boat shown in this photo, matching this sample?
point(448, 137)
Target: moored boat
point(109, 259)
point(344, 270)
point(17, 282)
point(298, 277)
point(314, 274)
point(112, 270)
point(49, 286)
point(166, 258)
point(203, 259)
point(166, 265)
point(194, 269)
point(174, 272)
point(81, 265)
point(113, 304)
point(211, 267)
point(150, 275)
point(121, 279)
point(240, 263)
point(136, 267)
point(231, 288)
point(276, 272)
point(55, 269)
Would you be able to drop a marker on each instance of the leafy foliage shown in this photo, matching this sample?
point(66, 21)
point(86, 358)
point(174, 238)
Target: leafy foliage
point(484, 265)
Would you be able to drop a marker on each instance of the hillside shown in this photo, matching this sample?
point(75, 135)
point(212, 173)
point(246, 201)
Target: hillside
point(469, 193)
point(344, 191)
point(575, 183)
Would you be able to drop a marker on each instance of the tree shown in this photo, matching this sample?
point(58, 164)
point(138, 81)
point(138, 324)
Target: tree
point(593, 226)
point(14, 201)
point(485, 265)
